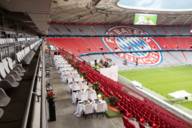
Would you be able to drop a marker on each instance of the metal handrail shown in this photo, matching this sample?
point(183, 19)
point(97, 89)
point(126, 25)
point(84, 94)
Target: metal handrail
point(43, 103)
point(137, 51)
point(119, 35)
point(25, 118)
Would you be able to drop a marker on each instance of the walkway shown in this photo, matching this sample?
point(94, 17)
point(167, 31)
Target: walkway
point(65, 109)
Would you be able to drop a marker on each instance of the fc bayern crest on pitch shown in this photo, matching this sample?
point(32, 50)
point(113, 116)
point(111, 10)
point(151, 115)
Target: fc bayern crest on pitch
point(133, 44)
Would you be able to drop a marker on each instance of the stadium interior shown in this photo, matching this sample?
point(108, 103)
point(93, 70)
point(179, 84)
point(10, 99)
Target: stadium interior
point(95, 64)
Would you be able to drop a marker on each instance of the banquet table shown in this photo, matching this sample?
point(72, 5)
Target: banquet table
point(82, 105)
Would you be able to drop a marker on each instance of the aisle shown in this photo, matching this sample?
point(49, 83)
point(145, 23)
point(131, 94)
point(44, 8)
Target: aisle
point(65, 109)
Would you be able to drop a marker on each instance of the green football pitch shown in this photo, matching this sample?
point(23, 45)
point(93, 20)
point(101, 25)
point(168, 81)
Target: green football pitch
point(164, 80)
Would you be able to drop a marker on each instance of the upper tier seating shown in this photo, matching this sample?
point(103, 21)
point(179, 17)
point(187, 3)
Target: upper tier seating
point(101, 29)
point(11, 78)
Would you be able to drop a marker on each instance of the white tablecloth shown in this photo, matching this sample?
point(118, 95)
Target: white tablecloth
point(92, 95)
point(81, 107)
point(100, 106)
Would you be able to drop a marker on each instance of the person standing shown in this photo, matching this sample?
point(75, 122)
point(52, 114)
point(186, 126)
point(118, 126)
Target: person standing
point(136, 62)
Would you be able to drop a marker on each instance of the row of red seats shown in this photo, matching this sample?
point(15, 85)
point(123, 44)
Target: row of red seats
point(174, 42)
point(127, 124)
point(79, 45)
point(144, 110)
point(130, 104)
point(94, 44)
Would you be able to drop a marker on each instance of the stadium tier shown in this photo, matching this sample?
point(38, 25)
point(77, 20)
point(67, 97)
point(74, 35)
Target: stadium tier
point(95, 64)
point(174, 42)
point(16, 79)
point(160, 51)
point(87, 29)
point(131, 103)
point(70, 44)
point(97, 45)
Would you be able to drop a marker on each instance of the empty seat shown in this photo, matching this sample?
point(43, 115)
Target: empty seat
point(26, 51)
point(29, 57)
point(1, 112)
point(7, 81)
point(88, 109)
point(4, 99)
point(7, 70)
point(19, 57)
point(36, 47)
point(127, 124)
point(12, 65)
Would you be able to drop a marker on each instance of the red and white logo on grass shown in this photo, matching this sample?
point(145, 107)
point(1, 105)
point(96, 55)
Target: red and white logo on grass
point(133, 44)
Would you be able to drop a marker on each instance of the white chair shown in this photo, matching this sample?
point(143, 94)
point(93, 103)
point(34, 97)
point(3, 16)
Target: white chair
point(29, 56)
point(1, 112)
point(88, 110)
point(8, 71)
point(83, 95)
point(26, 50)
point(4, 99)
point(17, 67)
point(69, 80)
point(20, 55)
point(92, 95)
point(74, 97)
point(7, 80)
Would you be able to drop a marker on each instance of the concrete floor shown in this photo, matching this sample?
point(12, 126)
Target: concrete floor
point(65, 109)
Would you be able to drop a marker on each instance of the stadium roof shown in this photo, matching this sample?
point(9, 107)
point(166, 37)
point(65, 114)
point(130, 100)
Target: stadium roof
point(158, 5)
point(38, 13)
point(108, 11)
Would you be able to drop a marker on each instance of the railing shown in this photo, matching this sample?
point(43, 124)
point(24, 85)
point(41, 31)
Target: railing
point(11, 48)
point(37, 100)
point(130, 35)
point(161, 102)
point(43, 91)
point(133, 51)
point(29, 101)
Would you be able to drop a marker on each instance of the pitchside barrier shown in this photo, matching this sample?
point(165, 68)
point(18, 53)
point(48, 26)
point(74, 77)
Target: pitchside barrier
point(132, 51)
point(163, 103)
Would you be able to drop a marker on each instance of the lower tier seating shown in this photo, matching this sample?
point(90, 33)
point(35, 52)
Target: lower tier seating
point(96, 44)
point(79, 45)
point(132, 106)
